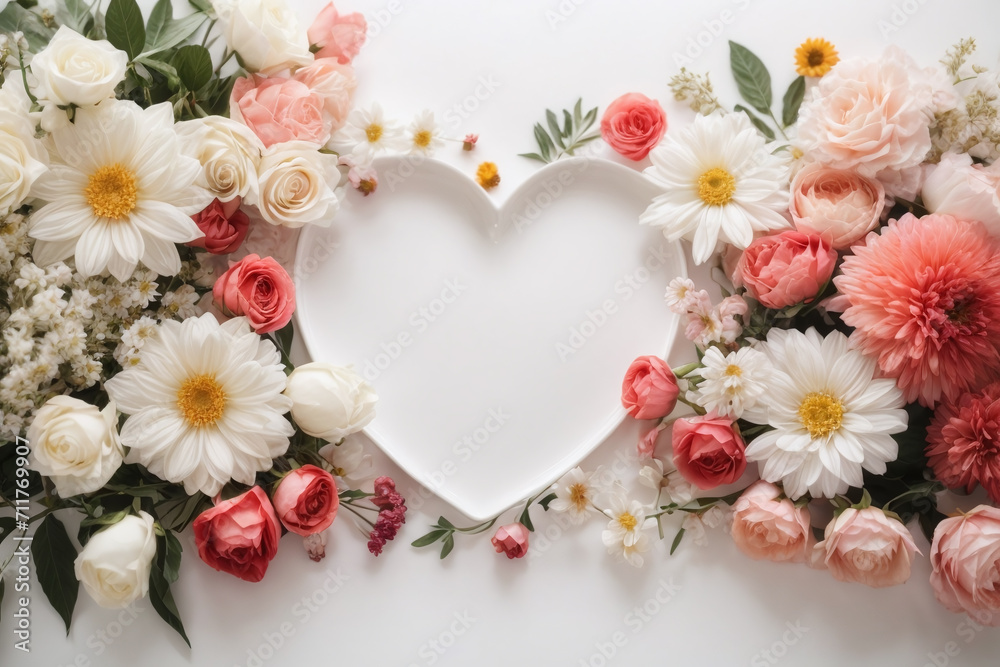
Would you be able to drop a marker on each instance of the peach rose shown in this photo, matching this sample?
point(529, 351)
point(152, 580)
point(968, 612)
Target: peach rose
point(239, 536)
point(766, 528)
point(336, 35)
point(224, 226)
point(633, 124)
point(279, 110)
point(511, 540)
point(788, 268)
point(335, 85)
point(965, 562)
point(707, 451)
point(841, 206)
point(869, 115)
point(957, 187)
point(868, 547)
point(258, 288)
point(306, 500)
point(649, 390)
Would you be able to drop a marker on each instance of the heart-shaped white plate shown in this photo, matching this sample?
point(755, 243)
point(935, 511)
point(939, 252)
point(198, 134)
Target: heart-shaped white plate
point(497, 338)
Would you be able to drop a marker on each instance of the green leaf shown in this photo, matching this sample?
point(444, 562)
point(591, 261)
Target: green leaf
point(526, 519)
point(677, 541)
point(429, 538)
point(577, 112)
point(444, 523)
point(163, 600)
point(173, 81)
point(449, 544)
point(7, 526)
point(125, 27)
point(544, 502)
point(194, 67)
point(54, 554)
point(568, 123)
point(165, 32)
point(553, 122)
point(284, 337)
point(15, 18)
point(544, 142)
point(202, 5)
point(1, 592)
point(75, 14)
point(159, 18)
point(532, 156)
point(764, 128)
point(172, 559)
point(353, 494)
point(751, 76)
point(588, 120)
point(792, 101)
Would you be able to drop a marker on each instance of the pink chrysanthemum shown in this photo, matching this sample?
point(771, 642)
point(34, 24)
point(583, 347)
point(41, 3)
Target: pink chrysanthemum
point(964, 442)
point(925, 300)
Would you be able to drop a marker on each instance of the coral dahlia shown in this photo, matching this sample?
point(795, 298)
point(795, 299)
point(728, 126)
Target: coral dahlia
point(964, 441)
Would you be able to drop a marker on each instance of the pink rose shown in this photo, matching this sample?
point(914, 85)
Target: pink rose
point(708, 452)
point(336, 35)
point(224, 226)
point(766, 528)
point(258, 288)
point(511, 540)
point(869, 115)
point(649, 390)
point(306, 500)
point(867, 547)
point(239, 535)
point(787, 268)
point(335, 84)
point(965, 560)
point(841, 206)
point(633, 124)
point(279, 110)
point(957, 187)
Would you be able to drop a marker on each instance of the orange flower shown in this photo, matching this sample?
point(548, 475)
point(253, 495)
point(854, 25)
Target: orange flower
point(815, 57)
point(487, 175)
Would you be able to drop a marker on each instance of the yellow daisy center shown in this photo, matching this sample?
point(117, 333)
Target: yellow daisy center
point(202, 400)
point(578, 496)
point(821, 413)
point(627, 521)
point(732, 370)
point(111, 192)
point(716, 187)
point(373, 132)
point(422, 139)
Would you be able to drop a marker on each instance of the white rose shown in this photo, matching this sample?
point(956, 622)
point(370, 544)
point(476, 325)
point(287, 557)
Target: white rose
point(266, 34)
point(75, 70)
point(330, 402)
point(75, 445)
point(22, 160)
point(229, 153)
point(297, 185)
point(955, 186)
point(114, 566)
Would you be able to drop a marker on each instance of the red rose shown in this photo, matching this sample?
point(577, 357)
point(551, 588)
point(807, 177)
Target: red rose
point(258, 288)
point(306, 500)
point(224, 226)
point(708, 452)
point(239, 535)
point(649, 390)
point(511, 540)
point(633, 125)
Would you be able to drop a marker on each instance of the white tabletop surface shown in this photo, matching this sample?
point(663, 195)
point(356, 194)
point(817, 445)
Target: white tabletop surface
point(568, 603)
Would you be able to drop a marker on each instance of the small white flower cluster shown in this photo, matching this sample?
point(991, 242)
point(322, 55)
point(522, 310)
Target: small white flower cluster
point(973, 126)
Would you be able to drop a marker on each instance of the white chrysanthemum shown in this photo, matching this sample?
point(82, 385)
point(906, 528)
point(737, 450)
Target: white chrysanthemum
point(624, 537)
point(367, 133)
point(575, 493)
point(424, 134)
point(118, 192)
point(733, 383)
point(721, 184)
point(831, 418)
point(205, 404)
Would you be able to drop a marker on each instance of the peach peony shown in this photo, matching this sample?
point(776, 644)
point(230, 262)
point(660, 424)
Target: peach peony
point(963, 440)
point(840, 206)
point(766, 528)
point(965, 562)
point(867, 547)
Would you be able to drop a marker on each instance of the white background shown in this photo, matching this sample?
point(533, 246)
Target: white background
point(569, 601)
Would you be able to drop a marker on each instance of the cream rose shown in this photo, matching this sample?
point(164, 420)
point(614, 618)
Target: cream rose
point(840, 206)
point(266, 34)
point(328, 401)
point(75, 70)
point(22, 160)
point(229, 154)
point(75, 445)
point(766, 528)
point(867, 547)
point(297, 185)
point(114, 566)
point(957, 187)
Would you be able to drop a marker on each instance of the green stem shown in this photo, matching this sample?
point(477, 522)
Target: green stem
point(687, 368)
point(777, 124)
point(351, 509)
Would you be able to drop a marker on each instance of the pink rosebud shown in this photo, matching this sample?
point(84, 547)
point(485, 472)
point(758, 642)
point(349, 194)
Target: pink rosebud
point(239, 535)
point(315, 546)
point(707, 451)
point(633, 124)
point(965, 559)
point(512, 540)
point(469, 142)
point(306, 500)
point(840, 206)
point(258, 288)
point(279, 110)
point(647, 444)
point(224, 226)
point(867, 547)
point(336, 35)
point(787, 268)
point(649, 390)
point(766, 528)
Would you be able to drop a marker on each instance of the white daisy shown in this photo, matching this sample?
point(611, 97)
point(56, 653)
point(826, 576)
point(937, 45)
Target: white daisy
point(365, 134)
point(721, 184)
point(424, 134)
point(681, 295)
point(205, 404)
point(831, 418)
point(624, 537)
point(119, 191)
point(575, 493)
point(733, 383)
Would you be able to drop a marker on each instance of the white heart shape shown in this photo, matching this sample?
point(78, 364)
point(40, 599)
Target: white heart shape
point(475, 323)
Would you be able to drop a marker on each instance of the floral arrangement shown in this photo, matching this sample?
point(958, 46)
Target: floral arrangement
point(855, 353)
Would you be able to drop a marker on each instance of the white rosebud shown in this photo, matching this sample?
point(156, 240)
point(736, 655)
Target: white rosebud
point(114, 566)
point(297, 185)
point(75, 445)
point(266, 34)
point(330, 402)
point(75, 70)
